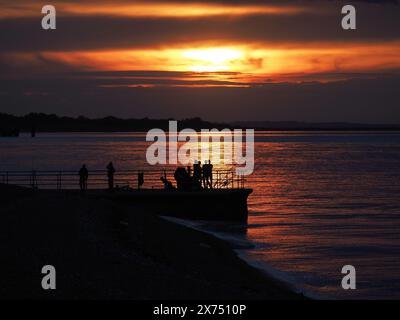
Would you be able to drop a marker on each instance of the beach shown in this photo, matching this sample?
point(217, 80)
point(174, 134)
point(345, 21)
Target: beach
point(104, 250)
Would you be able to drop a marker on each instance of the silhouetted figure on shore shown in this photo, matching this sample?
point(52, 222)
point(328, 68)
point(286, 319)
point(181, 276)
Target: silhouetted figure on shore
point(83, 177)
point(167, 184)
point(140, 179)
point(197, 172)
point(182, 178)
point(207, 175)
point(184, 181)
point(110, 175)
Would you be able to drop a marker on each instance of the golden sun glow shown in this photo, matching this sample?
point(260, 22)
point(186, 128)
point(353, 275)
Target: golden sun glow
point(212, 60)
point(250, 60)
point(250, 64)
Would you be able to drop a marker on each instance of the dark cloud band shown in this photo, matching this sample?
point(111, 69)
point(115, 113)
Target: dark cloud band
point(91, 33)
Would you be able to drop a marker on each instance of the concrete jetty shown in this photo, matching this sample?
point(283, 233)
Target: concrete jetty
point(207, 204)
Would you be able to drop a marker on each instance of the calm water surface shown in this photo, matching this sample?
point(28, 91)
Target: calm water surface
point(320, 201)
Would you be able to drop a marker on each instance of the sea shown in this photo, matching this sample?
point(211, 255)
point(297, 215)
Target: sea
point(320, 201)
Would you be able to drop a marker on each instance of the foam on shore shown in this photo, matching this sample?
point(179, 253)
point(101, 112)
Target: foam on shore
point(241, 247)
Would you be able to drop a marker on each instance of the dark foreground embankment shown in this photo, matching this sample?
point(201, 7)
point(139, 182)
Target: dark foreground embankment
point(102, 250)
point(210, 204)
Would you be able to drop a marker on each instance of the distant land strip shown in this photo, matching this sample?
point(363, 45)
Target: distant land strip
point(40, 122)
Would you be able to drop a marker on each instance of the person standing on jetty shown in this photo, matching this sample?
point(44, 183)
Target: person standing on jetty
point(83, 177)
point(110, 175)
point(140, 179)
point(207, 174)
point(197, 172)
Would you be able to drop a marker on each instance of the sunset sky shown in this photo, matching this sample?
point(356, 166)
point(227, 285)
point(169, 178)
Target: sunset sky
point(221, 60)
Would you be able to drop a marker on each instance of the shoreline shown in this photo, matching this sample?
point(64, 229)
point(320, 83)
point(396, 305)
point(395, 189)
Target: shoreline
point(239, 247)
point(102, 250)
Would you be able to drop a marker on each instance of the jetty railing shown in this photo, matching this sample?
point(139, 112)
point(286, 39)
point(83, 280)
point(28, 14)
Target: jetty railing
point(61, 180)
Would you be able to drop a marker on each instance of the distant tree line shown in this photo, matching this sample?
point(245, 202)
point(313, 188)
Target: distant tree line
point(41, 122)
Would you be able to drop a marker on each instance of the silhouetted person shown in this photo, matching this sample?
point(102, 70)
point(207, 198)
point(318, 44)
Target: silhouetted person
point(207, 174)
point(181, 178)
point(83, 177)
point(210, 178)
point(167, 184)
point(110, 175)
point(140, 179)
point(204, 169)
point(197, 172)
point(189, 171)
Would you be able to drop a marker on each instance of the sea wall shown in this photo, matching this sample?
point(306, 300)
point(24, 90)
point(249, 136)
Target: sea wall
point(221, 204)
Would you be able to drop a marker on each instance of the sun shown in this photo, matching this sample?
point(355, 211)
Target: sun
point(211, 60)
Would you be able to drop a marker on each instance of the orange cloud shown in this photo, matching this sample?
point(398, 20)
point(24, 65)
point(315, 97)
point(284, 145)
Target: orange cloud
point(242, 58)
point(246, 64)
point(149, 9)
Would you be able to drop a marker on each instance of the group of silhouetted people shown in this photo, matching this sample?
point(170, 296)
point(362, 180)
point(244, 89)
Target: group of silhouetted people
point(84, 175)
point(201, 178)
